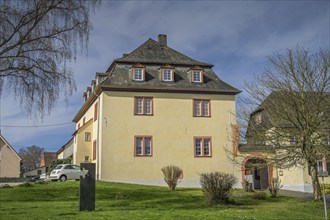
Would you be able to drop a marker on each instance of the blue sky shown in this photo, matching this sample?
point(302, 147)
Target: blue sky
point(235, 36)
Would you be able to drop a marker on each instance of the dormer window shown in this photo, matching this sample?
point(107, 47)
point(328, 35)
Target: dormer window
point(167, 73)
point(197, 74)
point(138, 72)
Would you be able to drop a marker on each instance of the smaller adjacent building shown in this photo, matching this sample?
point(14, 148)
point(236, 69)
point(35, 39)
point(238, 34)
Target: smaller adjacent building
point(256, 166)
point(9, 160)
point(66, 151)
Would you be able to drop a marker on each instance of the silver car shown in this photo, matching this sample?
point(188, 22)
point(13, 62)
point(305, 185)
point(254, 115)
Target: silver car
point(65, 172)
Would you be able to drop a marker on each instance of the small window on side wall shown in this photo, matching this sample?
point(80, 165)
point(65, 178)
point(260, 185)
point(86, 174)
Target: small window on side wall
point(87, 136)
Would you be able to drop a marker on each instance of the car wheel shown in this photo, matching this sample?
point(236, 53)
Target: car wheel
point(63, 178)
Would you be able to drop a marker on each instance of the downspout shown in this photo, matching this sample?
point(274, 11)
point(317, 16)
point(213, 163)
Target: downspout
point(97, 136)
point(231, 141)
point(98, 156)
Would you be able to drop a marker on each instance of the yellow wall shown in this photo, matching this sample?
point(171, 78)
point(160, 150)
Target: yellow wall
point(9, 162)
point(172, 127)
point(83, 148)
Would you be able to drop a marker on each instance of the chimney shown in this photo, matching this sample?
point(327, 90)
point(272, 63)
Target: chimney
point(162, 39)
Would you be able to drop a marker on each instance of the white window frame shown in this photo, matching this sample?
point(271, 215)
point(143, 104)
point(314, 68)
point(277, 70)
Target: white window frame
point(141, 77)
point(198, 74)
point(167, 72)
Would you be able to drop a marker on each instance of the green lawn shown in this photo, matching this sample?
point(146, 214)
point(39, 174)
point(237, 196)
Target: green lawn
point(60, 200)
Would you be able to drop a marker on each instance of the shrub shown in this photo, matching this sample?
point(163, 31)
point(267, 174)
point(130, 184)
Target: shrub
point(26, 184)
point(5, 186)
point(216, 187)
point(172, 175)
point(247, 186)
point(260, 195)
point(326, 188)
point(275, 186)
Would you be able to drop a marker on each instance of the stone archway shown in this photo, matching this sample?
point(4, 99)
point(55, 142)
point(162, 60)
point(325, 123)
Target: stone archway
point(257, 171)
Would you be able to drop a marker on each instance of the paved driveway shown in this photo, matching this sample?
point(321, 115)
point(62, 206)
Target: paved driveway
point(302, 195)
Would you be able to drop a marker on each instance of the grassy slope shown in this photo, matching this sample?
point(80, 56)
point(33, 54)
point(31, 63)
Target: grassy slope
point(57, 200)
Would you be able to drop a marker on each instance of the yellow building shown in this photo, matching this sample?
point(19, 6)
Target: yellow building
point(152, 108)
point(10, 161)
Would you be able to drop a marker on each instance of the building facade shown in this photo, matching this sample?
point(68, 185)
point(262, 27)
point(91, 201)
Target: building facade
point(270, 142)
point(10, 161)
point(152, 108)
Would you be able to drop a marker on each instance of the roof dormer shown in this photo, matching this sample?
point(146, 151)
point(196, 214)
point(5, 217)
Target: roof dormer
point(197, 74)
point(167, 73)
point(138, 72)
point(93, 85)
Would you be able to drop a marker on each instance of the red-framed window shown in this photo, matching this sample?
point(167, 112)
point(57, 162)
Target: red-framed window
point(94, 150)
point(95, 111)
point(143, 146)
point(168, 75)
point(197, 74)
point(138, 74)
point(201, 108)
point(143, 106)
point(203, 146)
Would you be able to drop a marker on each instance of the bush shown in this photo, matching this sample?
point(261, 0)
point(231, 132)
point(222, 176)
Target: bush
point(326, 188)
point(216, 187)
point(247, 186)
point(260, 195)
point(26, 184)
point(275, 186)
point(172, 176)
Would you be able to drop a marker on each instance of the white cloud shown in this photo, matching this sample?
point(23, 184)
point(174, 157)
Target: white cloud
point(235, 36)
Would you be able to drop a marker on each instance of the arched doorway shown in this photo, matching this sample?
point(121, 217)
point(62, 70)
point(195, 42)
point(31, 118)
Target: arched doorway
point(257, 171)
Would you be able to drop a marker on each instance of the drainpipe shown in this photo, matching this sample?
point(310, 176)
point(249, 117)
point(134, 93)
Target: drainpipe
point(97, 136)
point(231, 141)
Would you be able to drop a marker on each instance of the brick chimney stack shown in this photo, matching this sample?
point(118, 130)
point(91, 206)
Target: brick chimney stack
point(162, 39)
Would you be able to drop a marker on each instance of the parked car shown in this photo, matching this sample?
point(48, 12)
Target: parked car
point(65, 172)
point(42, 176)
point(35, 178)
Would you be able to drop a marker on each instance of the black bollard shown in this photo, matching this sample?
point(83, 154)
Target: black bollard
point(87, 187)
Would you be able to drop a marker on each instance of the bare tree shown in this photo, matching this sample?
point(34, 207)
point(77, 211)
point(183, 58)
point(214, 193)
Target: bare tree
point(38, 39)
point(291, 116)
point(31, 157)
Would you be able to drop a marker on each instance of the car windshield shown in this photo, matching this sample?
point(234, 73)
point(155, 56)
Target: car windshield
point(58, 167)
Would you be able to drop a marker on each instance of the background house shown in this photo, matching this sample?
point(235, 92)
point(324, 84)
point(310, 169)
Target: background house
point(152, 108)
point(256, 166)
point(9, 160)
point(46, 159)
point(66, 151)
